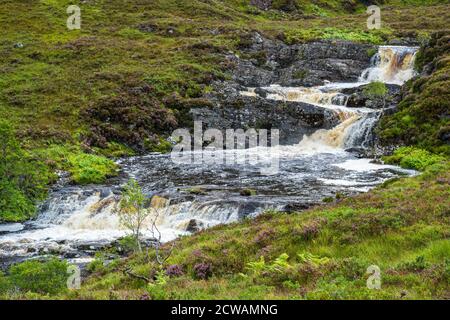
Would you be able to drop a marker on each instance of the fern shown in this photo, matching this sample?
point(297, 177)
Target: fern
point(280, 264)
point(257, 267)
point(306, 257)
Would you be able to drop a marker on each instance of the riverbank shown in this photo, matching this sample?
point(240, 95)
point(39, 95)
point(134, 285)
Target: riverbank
point(401, 227)
point(322, 253)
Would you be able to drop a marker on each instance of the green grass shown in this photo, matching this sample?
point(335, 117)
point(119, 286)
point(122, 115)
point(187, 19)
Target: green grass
point(71, 97)
point(413, 158)
point(76, 90)
point(375, 89)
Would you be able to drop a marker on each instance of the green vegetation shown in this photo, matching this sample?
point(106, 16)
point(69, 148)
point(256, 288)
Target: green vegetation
point(375, 89)
point(88, 168)
point(120, 84)
point(133, 212)
point(23, 178)
point(413, 158)
point(72, 100)
point(26, 174)
point(34, 277)
point(331, 33)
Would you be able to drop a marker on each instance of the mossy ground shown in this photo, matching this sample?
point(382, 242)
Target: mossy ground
point(172, 46)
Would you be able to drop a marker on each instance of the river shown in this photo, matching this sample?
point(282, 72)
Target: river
point(75, 221)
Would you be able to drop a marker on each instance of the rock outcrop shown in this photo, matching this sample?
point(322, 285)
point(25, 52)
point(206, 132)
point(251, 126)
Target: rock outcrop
point(266, 62)
point(359, 98)
point(231, 110)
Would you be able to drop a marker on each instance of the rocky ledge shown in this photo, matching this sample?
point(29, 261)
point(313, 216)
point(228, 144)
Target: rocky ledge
point(231, 110)
point(264, 62)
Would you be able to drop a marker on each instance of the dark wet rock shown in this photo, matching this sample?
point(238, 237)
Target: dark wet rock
point(405, 41)
point(248, 207)
point(233, 111)
point(358, 97)
point(267, 61)
point(262, 4)
point(358, 152)
point(88, 247)
point(444, 136)
point(71, 255)
point(261, 92)
point(31, 250)
point(247, 192)
point(390, 110)
point(194, 226)
point(264, 62)
point(297, 207)
point(105, 192)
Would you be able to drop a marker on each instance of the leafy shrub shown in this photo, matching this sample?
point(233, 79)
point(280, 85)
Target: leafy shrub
point(174, 271)
point(257, 267)
point(413, 158)
point(40, 277)
point(414, 266)
point(306, 257)
point(133, 117)
point(375, 89)
point(202, 270)
point(279, 265)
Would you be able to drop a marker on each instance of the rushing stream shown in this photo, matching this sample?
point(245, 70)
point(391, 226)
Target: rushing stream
point(75, 221)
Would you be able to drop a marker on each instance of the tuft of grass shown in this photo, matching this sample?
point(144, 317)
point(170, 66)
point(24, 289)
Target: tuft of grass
point(375, 89)
point(414, 158)
point(89, 168)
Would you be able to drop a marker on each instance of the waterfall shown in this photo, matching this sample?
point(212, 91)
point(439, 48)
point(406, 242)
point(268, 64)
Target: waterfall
point(334, 137)
point(392, 64)
point(319, 96)
point(361, 133)
point(87, 217)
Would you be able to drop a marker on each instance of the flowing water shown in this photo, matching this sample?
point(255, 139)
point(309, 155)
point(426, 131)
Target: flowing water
point(75, 221)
